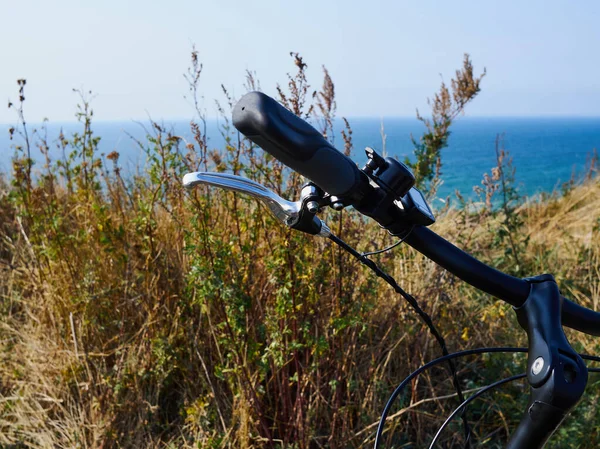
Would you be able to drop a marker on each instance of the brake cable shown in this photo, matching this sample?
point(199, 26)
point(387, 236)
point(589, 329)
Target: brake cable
point(422, 314)
point(372, 253)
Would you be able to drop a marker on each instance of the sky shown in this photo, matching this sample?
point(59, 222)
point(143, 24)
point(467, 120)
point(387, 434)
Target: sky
point(385, 57)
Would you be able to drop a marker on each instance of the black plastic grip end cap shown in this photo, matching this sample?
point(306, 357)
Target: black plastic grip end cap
point(246, 114)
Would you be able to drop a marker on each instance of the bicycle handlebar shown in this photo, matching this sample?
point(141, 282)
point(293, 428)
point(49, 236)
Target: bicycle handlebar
point(508, 288)
point(301, 147)
point(295, 143)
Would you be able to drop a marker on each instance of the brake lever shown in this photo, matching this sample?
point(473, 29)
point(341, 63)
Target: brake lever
point(296, 215)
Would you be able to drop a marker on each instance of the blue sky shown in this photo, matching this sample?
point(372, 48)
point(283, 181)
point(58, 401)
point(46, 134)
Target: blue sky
point(386, 57)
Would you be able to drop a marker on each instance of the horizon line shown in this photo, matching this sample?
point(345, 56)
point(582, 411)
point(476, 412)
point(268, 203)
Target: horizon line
point(349, 117)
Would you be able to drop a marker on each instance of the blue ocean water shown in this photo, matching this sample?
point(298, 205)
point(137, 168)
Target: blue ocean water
point(545, 151)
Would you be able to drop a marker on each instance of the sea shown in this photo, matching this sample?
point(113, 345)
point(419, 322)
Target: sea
point(546, 151)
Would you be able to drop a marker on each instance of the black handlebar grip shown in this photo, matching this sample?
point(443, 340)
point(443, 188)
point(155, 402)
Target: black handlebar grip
point(295, 143)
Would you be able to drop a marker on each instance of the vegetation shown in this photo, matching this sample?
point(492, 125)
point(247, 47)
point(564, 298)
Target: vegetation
point(134, 314)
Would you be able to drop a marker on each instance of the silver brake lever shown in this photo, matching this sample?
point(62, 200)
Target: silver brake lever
point(286, 211)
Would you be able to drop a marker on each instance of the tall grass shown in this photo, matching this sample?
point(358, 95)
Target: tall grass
point(135, 314)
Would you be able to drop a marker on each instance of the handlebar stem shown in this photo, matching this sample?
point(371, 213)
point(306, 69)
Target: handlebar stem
point(556, 373)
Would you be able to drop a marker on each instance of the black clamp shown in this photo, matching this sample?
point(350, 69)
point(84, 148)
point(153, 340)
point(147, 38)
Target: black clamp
point(389, 174)
point(312, 198)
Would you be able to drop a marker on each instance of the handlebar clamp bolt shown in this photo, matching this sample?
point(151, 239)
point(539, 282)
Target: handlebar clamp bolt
point(313, 207)
point(336, 202)
point(537, 366)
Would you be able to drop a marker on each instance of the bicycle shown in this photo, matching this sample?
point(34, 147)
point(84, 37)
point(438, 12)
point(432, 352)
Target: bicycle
point(384, 191)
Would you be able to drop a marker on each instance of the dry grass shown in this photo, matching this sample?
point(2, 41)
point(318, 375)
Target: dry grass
point(99, 352)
